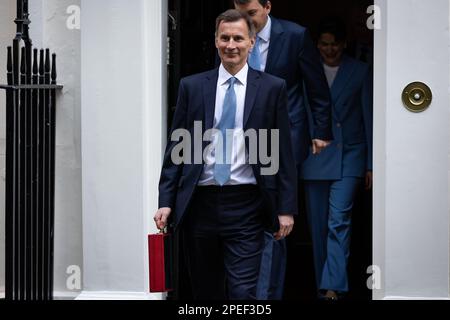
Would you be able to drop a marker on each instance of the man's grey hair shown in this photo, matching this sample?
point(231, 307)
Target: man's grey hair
point(233, 15)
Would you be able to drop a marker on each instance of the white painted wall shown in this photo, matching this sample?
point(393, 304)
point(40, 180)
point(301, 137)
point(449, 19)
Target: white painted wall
point(124, 114)
point(68, 219)
point(411, 229)
point(123, 125)
point(449, 141)
point(48, 29)
point(7, 33)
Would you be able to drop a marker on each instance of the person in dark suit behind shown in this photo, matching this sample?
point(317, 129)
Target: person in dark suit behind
point(285, 49)
point(223, 207)
point(332, 177)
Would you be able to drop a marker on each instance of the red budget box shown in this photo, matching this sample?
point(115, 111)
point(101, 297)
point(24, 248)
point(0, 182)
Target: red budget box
point(160, 250)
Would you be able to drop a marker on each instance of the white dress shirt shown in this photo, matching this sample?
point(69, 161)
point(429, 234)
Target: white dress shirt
point(241, 171)
point(264, 41)
point(330, 73)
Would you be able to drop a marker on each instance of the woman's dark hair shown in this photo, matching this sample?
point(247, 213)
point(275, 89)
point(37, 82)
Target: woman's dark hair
point(334, 26)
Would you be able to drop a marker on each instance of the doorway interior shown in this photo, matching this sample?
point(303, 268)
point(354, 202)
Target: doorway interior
point(192, 50)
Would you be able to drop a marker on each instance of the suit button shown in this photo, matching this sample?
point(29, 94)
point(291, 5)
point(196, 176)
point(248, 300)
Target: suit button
point(339, 145)
point(338, 125)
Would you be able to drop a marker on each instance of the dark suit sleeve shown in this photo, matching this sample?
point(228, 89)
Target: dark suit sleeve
point(316, 89)
point(367, 105)
point(287, 172)
point(170, 173)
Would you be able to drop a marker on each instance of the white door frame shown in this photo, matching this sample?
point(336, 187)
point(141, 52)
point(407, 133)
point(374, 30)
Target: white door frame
point(124, 81)
point(411, 152)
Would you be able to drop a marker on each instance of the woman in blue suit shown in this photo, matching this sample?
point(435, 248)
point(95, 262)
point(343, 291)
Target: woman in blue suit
point(332, 177)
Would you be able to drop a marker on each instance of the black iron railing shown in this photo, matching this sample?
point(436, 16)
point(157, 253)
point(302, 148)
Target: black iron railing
point(30, 166)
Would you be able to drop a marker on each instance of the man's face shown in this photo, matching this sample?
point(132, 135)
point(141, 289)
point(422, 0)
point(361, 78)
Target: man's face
point(256, 11)
point(330, 50)
point(233, 43)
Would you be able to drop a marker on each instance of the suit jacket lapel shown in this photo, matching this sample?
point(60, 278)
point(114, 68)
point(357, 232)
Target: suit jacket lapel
point(253, 85)
point(209, 97)
point(276, 43)
point(342, 78)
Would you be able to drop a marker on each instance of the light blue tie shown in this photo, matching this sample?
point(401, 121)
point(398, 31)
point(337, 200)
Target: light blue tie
point(222, 169)
point(255, 56)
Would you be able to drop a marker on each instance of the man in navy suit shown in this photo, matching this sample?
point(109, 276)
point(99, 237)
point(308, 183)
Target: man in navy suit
point(333, 177)
point(223, 207)
point(285, 49)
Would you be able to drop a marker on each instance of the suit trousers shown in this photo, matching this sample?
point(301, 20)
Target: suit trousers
point(224, 237)
point(329, 207)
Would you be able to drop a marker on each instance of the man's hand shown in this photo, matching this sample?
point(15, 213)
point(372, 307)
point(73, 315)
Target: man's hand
point(318, 145)
point(369, 180)
point(161, 217)
point(286, 226)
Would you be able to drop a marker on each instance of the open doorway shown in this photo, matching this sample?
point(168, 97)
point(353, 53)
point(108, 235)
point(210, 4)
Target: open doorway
point(192, 50)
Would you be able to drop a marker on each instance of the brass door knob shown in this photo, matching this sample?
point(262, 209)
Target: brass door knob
point(417, 97)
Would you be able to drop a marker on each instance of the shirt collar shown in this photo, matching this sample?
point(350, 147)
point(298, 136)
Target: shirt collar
point(224, 75)
point(264, 34)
